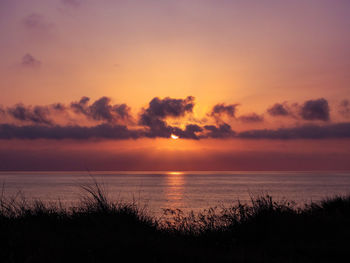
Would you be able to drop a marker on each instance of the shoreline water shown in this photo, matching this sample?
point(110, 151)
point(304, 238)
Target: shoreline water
point(184, 190)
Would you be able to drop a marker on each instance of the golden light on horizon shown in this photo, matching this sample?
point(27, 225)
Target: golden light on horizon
point(173, 136)
point(175, 173)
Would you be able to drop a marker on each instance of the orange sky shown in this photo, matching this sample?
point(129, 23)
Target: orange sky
point(234, 52)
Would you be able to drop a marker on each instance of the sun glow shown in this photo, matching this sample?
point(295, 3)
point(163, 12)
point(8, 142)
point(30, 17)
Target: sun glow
point(175, 173)
point(173, 136)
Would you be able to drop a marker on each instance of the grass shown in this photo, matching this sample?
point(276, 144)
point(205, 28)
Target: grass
point(99, 230)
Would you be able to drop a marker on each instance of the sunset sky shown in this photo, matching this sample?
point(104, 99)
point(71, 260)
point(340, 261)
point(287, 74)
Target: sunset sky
point(244, 85)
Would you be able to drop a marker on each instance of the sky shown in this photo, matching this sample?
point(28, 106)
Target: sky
point(174, 85)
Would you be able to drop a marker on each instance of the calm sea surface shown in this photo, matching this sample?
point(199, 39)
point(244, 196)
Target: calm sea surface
point(183, 190)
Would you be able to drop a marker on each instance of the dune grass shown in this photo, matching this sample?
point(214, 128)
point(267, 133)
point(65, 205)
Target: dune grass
point(101, 230)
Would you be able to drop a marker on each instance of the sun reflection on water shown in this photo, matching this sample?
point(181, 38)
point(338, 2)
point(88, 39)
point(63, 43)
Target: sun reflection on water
point(174, 189)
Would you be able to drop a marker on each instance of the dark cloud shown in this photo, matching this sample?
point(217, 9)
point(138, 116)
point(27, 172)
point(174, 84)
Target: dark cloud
point(190, 132)
point(344, 108)
point(30, 62)
point(278, 109)
point(159, 109)
point(84, 100)
point(107, 131)
point(251, 118)
point(122, 111)
point(59, 107)
point(219, 109)
point(168, 107)
point(315, 110)
point(39, 121)
point(332, 131)
point(102, 110)
point(37, 114)
point(119, 132)
point(220, 132)
point(310, 110)
point(153, 119)
point(81, 106)
point(157, 127)
point(103, 131)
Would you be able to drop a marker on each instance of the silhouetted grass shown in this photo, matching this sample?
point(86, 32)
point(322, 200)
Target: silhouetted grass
point(99, 230)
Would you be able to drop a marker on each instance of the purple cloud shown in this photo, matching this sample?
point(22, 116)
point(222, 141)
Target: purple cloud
point(315, 110)
point(30, 62)
point(220, 109)
point(36, 21)
point(279, 109)
point(37, 114)
point(251, 118)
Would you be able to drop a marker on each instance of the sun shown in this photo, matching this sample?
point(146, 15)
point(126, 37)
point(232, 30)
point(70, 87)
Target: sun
point(173, 136)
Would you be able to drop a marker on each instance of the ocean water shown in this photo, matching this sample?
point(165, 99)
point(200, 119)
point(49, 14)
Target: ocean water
point(183, 190)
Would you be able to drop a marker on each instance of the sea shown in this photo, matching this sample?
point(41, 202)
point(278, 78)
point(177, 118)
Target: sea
point(187, 191)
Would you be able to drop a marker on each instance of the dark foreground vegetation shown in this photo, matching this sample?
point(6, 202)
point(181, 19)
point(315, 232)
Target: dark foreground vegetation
point(102, 231)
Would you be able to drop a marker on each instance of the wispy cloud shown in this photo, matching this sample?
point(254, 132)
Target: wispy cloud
point(344, 108)
point(39, 28)
point(37, 22)
point(251, 118)
point(29, 61)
